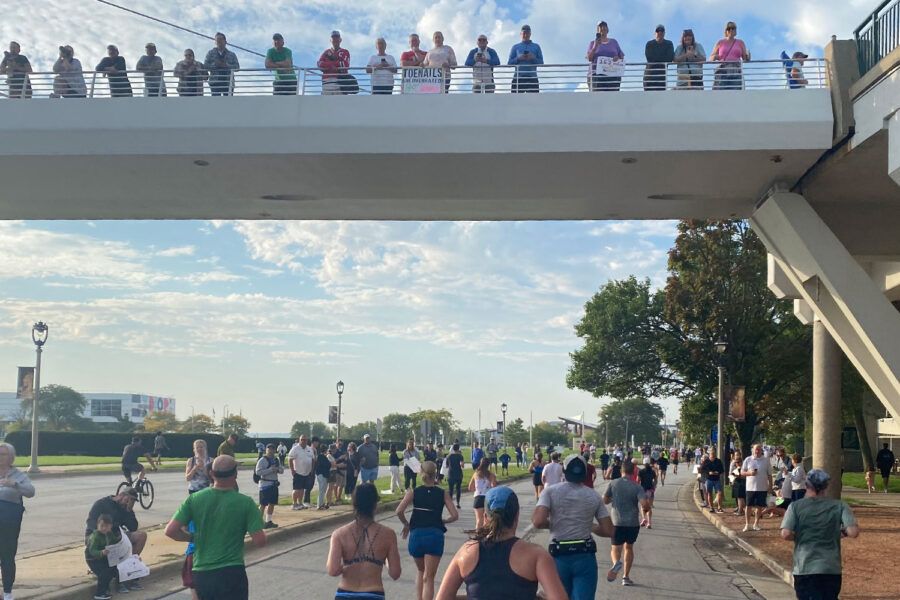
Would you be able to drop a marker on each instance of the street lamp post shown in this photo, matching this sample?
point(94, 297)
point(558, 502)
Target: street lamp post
point(721, 347)
point(39, 333)
point(340, 391)
point(503, 408)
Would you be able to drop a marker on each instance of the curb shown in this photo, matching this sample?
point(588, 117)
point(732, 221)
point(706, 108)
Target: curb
point(767, 560)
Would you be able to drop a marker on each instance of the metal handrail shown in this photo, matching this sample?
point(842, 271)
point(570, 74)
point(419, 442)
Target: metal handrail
point(312, 81)
point(878, 35)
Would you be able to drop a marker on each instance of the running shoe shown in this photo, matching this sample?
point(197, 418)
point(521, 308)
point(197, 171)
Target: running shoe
point(703, 505)
point(100, 597)
point(746, 528)
point(756, 528)
point(614, 572)
point(270, 525)
point(458, 506)
point(627, 581)
point(719, 510)
point(135, 585)
point(123, 589)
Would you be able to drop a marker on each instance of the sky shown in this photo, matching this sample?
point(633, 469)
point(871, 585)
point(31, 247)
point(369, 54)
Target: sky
point(265, 317)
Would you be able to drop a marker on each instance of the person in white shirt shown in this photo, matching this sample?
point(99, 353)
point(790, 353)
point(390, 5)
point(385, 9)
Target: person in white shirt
point(553, 471)
point(757, 470)
point(441, 56)
point(797, 475)
point(382, 66)
point(301, 459)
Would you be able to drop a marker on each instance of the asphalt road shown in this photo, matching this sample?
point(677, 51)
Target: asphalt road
point(682, 557)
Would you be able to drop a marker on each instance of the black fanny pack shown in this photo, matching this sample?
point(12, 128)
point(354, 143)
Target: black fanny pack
point(558, 548)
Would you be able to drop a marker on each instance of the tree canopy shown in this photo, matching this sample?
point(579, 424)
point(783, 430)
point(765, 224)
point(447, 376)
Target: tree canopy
point(60, 409)
point(160, 420)
point(311, 428)
point(638, 416)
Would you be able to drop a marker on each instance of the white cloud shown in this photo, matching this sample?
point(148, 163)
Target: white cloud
point(179, 251)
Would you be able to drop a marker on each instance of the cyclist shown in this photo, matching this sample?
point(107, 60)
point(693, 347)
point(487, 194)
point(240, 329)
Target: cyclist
point(131, 460)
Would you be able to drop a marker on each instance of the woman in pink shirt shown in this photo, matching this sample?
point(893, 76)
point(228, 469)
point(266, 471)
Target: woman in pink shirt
point(729, 51)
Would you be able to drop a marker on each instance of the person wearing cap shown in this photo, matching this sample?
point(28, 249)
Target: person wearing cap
point(222, 516)
point(382, 67)
point(16, 67)
point(268, 468)
point(573, 512)
point(689, 58)
point(606, 58)
point(190, 74)
point(221, 63)
point(115, 70)
point(69, 81)
point(282, 60)
point(796, 79)
point(121, 508)
point(152, 67)
point(483, 59)
point(334, 63)
point(624, 497)
point(497, 565)
point(816, 525)
point(368, 460)
point(525, 55)
point(415, 56)
point(659, 52)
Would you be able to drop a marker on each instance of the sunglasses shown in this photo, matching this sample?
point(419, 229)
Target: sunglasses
point(731, 29)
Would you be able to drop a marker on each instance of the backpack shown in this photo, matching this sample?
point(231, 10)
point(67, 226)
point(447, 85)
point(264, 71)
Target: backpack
point(271, 461)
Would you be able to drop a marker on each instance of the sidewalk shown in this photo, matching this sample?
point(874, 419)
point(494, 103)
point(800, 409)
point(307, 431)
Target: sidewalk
point(863, 575)
point(93, 469)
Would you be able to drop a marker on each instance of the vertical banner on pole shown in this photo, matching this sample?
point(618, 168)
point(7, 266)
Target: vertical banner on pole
point(332, 415)
point(25, 383)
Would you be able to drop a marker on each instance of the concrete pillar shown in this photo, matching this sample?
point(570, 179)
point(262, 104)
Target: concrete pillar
point(826, 450)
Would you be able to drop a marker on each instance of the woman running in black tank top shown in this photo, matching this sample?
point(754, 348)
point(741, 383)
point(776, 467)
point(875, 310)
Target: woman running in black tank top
point(497, 565)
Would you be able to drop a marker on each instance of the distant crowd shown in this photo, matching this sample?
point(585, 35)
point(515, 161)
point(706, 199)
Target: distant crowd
point(216, 71)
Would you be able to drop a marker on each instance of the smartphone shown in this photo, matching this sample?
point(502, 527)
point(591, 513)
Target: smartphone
point(384, 60)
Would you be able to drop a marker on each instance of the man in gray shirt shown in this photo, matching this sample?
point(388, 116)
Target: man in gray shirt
point(368, 460)
point(624, 495)
point(152, 67)
point(569, 510)
point(492, 450)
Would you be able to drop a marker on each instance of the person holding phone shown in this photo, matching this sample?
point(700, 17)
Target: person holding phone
point(382, 67)
point(602, 49)
point(483, 59)
point(525, 55)
point(757, 470)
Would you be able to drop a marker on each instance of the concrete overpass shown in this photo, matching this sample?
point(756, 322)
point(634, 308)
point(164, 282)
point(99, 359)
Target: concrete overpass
point(815, 170)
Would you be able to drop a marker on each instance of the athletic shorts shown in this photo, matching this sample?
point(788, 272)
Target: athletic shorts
point(824, 586)
point(301, 482)
point(885, 472)
point(756, 498)
point(649, 494)
point(625, 535)
point(127, 470)
point(479, 502)
point(227, 583)
point(713, 486)
point(426, 540)
point(268, 495)
point(492, 460)
point(345, 595)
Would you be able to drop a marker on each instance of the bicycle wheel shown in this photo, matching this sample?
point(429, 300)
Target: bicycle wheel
point(145, 493)
point(122, 486)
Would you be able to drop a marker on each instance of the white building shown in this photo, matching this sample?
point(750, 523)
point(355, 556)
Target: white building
point(101, 408)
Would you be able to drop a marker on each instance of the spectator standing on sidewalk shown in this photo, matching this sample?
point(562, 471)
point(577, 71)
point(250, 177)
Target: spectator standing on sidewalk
point(816, 525)
point(221, 516)
point(624, 497)
point(260, 449)
point(570, 510)
point(885, 462)
point(300, 461)
point(454, 472)
point(267, 470)
point(477, 454)
point(197, 468)
point(281, 450)
point(352, 470)
point(14, 485)
point(394, 464)
point(738, 483)
point(757, 470)
point(409, 476)
point(492, 449)
point(368, 460)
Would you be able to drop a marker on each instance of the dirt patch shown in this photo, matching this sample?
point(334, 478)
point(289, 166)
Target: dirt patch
point(867, 560)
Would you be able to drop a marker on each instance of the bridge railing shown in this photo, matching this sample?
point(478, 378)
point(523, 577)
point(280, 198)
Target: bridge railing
point(878, 35)
point(570, 78)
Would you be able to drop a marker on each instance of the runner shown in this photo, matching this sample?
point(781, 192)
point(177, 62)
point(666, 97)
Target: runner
point(482, 480)
point(537, 468)
point(615, 471)
point(713, 469)
point(553, 471)
point(570, 510)
point(662, 464)
point(648, 477)
point(675, 461)
point(624, 496)
point(604, 462)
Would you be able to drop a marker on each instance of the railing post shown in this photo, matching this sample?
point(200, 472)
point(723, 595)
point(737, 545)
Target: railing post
point(303, 83)
point(93, 83)
point(231, 81)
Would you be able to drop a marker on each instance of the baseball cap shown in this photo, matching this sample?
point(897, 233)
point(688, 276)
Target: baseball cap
point(277, 36)
point(800, 55)
point(367, 436)
point(272, 446)
point(660, 27)
point(575, 465)
point(526, 27)
point(335, 33)
point(602, 24)
point(150, 45)
point(130, 492)
point(497, 497)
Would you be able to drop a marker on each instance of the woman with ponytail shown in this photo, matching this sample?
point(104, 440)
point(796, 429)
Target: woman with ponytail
point(497, 565)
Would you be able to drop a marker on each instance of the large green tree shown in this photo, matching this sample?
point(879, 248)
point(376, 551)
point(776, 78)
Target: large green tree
point(642, 343)
point(441, 420)
point(635, 417)
point(236, 424)
point(398, 427)
point(352, 433)
point(544, 433)
point(160, 420)
point(515, 432)
point(60, 409)
point(198, 423)
point(311, 428)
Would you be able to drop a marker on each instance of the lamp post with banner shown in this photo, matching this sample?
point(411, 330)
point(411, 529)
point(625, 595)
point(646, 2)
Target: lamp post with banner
point(340, 392)
point(721, 347)
point(39, 333)
point(503, 408)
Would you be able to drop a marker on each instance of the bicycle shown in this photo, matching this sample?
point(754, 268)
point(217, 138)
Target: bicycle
point(144, 489)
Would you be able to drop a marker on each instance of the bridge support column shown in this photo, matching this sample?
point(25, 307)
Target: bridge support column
point(826, 421)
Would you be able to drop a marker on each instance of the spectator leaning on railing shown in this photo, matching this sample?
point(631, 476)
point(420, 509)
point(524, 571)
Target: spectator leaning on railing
point(281, 59)
point(69, 82)
point(152, 67)
point(382, 66)
point(729, 51)
point(482, 59)
point(16, 68)
point(689, 56)
point(441, 56)
point(114, 68)
point(525, 55)
point(221, 64)
point(414, 57)
point(191, 75)
point(334, 63)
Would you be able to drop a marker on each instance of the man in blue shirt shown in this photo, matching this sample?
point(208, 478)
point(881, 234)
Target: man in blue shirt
point(477, 454)
point(524, 56)
point(482, 60)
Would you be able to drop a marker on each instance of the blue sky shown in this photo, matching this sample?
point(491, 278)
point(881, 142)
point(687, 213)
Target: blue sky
point(266, 316)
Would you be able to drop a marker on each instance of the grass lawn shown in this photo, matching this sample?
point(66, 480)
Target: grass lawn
point(858, 480)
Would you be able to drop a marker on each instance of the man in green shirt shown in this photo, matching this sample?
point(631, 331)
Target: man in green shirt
point(816, 524)
point(280, 58)
point(221, 517)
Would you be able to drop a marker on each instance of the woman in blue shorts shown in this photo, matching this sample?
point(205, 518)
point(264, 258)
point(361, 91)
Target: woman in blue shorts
point(426, 528)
